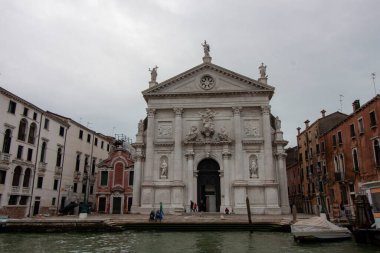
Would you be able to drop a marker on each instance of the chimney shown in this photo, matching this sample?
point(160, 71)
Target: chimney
point(323, 113)
point(307, 123)
point(356, 105)
point(299, 130)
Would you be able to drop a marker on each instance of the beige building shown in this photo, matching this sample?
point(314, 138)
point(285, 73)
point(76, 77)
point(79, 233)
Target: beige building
point(43, 158)
point(209, 137)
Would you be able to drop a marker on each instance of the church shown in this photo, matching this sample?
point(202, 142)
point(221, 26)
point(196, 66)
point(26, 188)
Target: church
point(209, 138)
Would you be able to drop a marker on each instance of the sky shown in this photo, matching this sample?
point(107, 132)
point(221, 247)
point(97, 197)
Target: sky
point(89, 60)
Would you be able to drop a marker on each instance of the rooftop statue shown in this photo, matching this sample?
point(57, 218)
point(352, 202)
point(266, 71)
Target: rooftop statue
point(263, 70)
point(206, 49)
point(153, 74)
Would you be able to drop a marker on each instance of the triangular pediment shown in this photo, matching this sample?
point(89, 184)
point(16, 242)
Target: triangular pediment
point(208, 78)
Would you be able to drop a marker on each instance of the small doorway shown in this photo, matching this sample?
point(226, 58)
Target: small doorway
point(208, 185)
point(116, 205)
point(36, 208)
point(102, 205)
point(129, 204)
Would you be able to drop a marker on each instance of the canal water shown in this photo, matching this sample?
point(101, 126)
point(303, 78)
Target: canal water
point(166, 242)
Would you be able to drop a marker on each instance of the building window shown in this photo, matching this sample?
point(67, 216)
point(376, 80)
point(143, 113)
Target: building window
point(3, 175)
point(102, 144)
point(43, 152)
point(16, 176)
point(24, 200)
point(34, 116)
point(108, 147)
point(336, 164)
point(30, 154)
point(334, 140)
point(7, 141)
point(340, 140)
point(22, 130)
point(91, 189)
point(81, 134)
point(104, 178)
point(372, 118)
point(40, 180)
point(355, 160)
point(75, 188)
point(96, 141)
point(32, 133)
point(361, 126)
point(53, 201)
point(317, 149)
point(352, 130)
point(19, 152)
point(300, 157)
point(341, 162)
point(55, 186)
point(84, 186)
point(59, 157)
point(88, 138)
point(77, 164)
point(376, 149)
point(85, 163)
point(27, 174)
point(61, 131)
point(93, 166)
point(12, 107)
point(323, 147)
point(131, 175)
point(46, 124)
point(26, 110)
point(13, 200)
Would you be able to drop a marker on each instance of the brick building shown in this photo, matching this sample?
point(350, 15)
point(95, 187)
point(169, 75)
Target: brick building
point(114, 187)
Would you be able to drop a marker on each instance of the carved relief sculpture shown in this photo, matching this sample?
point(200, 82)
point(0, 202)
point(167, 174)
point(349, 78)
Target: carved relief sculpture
point(193, 134)
point(223, 136)
point(253, 167)
point(140, 127)
point(164, 169)
point(164, 130)
point(250, 128)
point(208, 122)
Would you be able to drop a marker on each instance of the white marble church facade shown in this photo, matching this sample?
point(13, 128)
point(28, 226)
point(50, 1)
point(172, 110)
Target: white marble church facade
point(209, 137)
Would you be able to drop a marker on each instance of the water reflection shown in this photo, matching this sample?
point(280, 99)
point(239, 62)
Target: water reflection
point(166, 242)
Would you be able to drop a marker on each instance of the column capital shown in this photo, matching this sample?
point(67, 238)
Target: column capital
point(190, 155)
point(237, 110)
point(265, 109)
point(281, 155)
point(178, 111)
point(150, 112)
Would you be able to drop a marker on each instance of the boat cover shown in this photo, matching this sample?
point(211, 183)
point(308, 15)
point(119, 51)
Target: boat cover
point(315, 224)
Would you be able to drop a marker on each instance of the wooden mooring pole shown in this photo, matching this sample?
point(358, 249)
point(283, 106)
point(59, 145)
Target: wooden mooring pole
point(248, 210)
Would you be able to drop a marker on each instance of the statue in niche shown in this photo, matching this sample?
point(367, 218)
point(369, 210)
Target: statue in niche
point(263, 71)
point(223, 136)
point(253, 168)
point(164, 169)
point(208, 122)
point(278, 123)
point(153, 74)
point(192, 135)
point(141, 127)
point(206, 49)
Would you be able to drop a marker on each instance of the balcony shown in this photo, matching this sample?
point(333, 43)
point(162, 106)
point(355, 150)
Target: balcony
point(15, 189)
point(26, 190)
point(5, 158)
point(42, 167)
point(58, 170)
point(339, 176)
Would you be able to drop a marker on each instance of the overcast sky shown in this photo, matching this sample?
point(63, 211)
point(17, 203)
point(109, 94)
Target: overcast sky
point(89, 60)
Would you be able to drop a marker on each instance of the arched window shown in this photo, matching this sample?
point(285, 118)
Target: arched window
point(43, 152)
point(7, 141)
point(59, 157)
point(16, 176)
point(22, 129)
point(32, 133)
point(26, 178)
point(341, 162)
point(376, 149)
point(355, 160)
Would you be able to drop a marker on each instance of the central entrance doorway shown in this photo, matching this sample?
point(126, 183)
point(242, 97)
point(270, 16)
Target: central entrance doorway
point(208, 185)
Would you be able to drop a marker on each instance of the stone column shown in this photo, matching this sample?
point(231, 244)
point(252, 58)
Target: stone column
point(190, 176)
point(268, 153)
point(227, 180)
point(178, 145)
point(148, 170)
point(137, 180)
point(238, 144)
point(284, 198)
